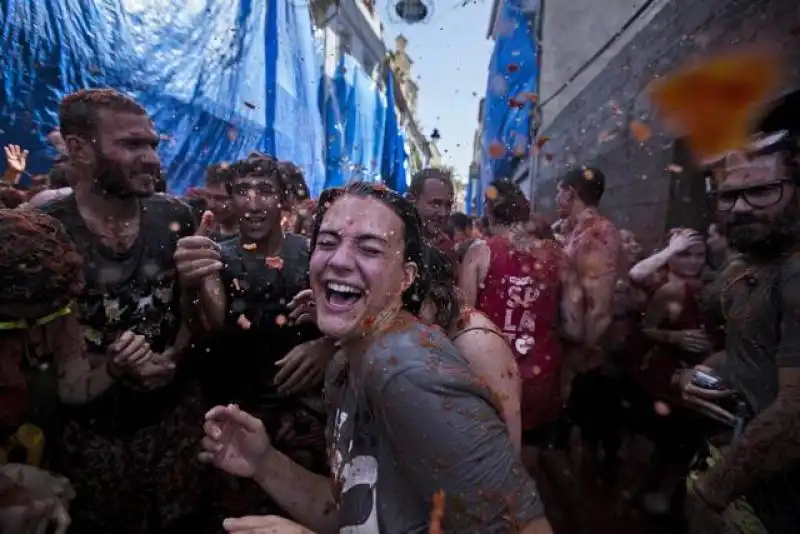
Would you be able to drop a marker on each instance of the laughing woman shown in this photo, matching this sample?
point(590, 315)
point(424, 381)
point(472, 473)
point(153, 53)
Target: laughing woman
point(407, 418)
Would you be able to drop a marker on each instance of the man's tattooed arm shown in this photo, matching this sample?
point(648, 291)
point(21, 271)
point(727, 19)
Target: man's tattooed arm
point(769, 445)
point(771, 442)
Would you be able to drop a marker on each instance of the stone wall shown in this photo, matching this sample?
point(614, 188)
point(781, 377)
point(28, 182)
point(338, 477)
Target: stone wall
point(592, 129)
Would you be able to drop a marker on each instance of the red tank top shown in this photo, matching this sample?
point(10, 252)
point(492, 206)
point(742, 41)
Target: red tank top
point(656, 368)
point(521, 295)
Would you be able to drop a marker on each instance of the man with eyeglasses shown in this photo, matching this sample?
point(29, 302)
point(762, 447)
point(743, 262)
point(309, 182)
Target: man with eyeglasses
point(758, 204)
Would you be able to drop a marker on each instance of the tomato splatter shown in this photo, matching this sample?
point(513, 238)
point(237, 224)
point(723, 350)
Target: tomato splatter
point(675, 169)
point(662, 408)
point(512, 67)
point(274, 262)
point(713, 102)
point(437, 513)
point(640, 131)
point(243, 322)
point(496, 149)
point(540, 142)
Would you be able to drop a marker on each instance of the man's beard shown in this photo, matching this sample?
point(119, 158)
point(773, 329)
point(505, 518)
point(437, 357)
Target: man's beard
point(113, 181)
point(761, 237)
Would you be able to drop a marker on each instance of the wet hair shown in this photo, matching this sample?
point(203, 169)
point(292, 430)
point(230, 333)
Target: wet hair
point(541, 228)
point(442, 290)
point(295, 182)
point(259, 166)
point(11, 198)
point(58, 177)
point(218, 174)
point(415, 249)
point(306, 211)
point(589, 184)
point(199, 205)
point(420, 177)
point(507, 203)
point(38, 261)
point(461, 222)
point(77, 113)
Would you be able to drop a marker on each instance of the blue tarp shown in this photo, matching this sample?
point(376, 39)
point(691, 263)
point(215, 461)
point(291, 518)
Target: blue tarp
point(513, 74)
point(220, 79)
point(469, 197)
point(354, 109)
point(393, 167)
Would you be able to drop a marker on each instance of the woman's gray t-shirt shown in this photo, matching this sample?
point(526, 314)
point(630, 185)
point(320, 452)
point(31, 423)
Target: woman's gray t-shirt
point(416, 420)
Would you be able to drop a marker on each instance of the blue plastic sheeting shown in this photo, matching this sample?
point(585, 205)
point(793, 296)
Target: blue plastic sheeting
point(393, 167)
point(355, 118)
point(513, 73)
point(220, 79)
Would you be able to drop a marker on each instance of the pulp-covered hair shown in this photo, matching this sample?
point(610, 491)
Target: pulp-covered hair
point(11, 198)
point(432, 173)
point(415, 249)
point(540, 227)
point(461, 221)
point(306, 213)
point(260, 166)
point(507, 203)
point(38, 261)
point(295, 181)
point(218, 174)
point(442, 291)
point(589, 184)
point(77, 113)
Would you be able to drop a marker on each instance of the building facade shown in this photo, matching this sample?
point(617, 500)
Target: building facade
point(592, 87)
point(421, 150)
point(350, 27)
point(474, 178)
point(353, 27)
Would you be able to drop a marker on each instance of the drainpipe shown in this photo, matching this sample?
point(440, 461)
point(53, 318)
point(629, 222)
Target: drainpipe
point(533, 161)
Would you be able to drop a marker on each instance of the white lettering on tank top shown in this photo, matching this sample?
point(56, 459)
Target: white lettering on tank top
point(518, 327)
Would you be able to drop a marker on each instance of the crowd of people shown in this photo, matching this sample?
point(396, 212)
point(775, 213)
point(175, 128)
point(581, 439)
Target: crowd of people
point(247, 359)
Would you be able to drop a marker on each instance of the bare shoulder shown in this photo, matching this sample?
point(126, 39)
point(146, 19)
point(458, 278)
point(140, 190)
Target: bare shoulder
point(477, 245)
point(670, 291)
point(476, 319)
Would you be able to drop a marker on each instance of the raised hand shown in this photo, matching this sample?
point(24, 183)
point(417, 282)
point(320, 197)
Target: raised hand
point(302, 308)
point(198, 257)
point(304, 366)
point(683, 240)
point(128, 353)
point(235, 441)
point(16, 158)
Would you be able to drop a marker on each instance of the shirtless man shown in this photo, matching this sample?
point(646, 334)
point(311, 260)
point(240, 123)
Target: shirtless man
point(595, 252)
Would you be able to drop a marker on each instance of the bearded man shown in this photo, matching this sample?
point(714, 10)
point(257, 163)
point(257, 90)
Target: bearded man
point(758, 202)
point(130, 453)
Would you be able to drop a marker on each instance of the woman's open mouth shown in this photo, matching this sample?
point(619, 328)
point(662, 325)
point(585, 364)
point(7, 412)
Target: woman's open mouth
point(342, 296)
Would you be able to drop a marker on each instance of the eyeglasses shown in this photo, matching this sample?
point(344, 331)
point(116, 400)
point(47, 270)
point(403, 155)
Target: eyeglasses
point(757, 197)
